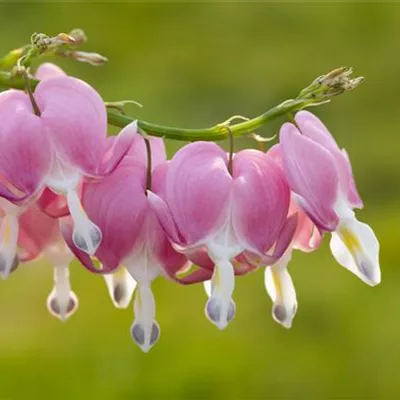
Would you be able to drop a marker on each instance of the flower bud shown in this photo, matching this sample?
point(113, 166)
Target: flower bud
point(79, 36)
point(90, 58)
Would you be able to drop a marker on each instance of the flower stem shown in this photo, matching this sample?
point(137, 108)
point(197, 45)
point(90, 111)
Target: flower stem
point(320, 91)
point(28, 89)
point(149, 163)
point(217, 132)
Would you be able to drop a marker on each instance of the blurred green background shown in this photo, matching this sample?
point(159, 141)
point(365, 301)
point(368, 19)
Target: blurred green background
point(195, 65)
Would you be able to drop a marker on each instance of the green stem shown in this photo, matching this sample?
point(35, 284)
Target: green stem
point(320, 91)
point(217, 132)
point(149, 163)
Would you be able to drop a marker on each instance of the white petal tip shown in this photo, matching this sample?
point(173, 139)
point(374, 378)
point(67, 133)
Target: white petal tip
point(207, 288)
point(374, 283)
point(218, 314)
point(119, 298)
point(62, 310)
point(88, 241)
point(370, 273)
point(6, 268)
point(222, 325)
point(147, 337)
point(4, 275)
point(283, 316)
point(120, 287)
point(286, 324)
point(145, 349)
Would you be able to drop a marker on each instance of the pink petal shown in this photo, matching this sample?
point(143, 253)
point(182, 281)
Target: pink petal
point(25, 157)
point(275, 153)
point(198, 190)
point(285, 239)
point(201, 258)
point(158, 154)
point(118, 206)
point(307, 237)
point(170, 260)
point(313, 128)
point(159, 179)
point(351, 189)
point(117, 148)
point(66, 229)
point(52, 204)
point(165, 218)
point(75, 119)
point(260, 200)
point(312, 175)
point(197, 276)
point(48, 70)
point(36, 232)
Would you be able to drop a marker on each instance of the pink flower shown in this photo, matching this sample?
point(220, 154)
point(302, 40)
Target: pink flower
point(320, 175)
point(120, 284)
point(66, 143)
point(203, 207)
point(133, 238)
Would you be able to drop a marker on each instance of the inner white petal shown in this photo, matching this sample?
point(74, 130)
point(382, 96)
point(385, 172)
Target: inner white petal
point(222, 248)
point(220, 308)
point(207, 288)
point(120, 286)
point(144, 269)
point(279, 286)
point(224, 245)
point(86, 236)
point(62, 177)
point(355, 247)
point(62, 301)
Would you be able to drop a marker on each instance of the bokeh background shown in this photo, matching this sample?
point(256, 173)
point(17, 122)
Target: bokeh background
point(195, 65)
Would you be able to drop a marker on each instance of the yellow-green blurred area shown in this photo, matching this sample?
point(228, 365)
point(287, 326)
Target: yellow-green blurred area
point(194, 65)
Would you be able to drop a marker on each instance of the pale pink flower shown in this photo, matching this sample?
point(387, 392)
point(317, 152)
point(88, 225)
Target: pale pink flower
point(132, 238)
point(320, 175)
point(203, 207)
point(66, 143)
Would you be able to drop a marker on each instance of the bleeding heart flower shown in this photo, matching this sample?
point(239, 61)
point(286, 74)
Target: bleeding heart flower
point(133, 238)
point(278, 282)
point(66, 143)
point(204, 207)
point(320, 175)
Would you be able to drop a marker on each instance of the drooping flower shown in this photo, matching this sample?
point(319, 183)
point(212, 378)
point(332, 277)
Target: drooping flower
point(39, 235)
point(320, 175)
point(120, 284)
point(66, 143)
point(277, 279)
point(132, 237)
point(210, 212)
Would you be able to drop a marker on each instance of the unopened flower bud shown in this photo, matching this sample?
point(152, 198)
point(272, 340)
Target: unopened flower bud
point(79, 36)
point(43, 42)
point(90, 58)
point(63, 38)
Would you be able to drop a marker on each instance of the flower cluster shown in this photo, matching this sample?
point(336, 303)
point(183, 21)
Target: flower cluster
point(124, 211)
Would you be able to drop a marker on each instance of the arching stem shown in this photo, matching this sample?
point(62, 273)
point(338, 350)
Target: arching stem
point(320, 91)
